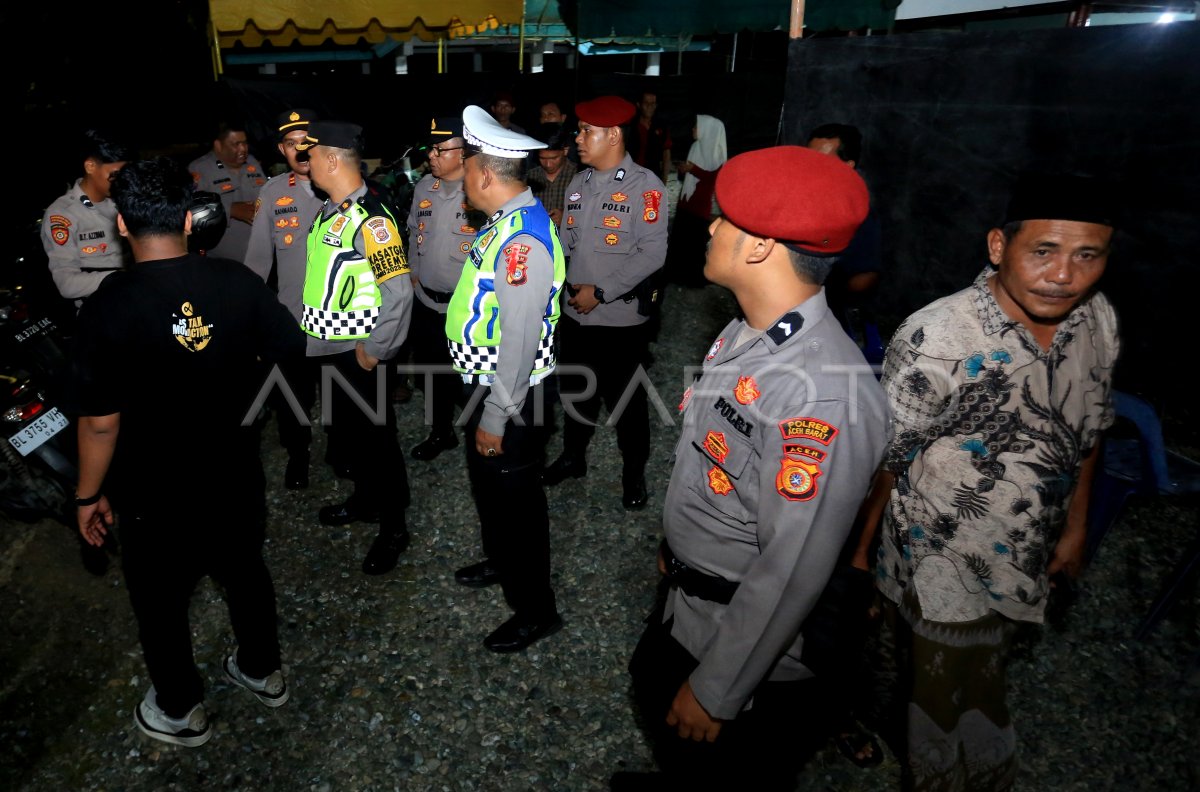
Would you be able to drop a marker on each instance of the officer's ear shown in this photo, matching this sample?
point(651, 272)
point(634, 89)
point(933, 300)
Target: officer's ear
point(90, 165)
point(758, 249)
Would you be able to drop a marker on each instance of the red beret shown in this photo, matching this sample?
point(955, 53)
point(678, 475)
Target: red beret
point(605, 111)
point(796, 195)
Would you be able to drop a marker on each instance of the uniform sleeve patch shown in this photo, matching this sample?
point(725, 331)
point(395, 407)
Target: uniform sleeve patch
point(651, 200)
point(60, 229)
point(516, 257)
point(687, 397)
point(808, 429)
point(384, 250)
point(797, 480)
point(746, 390)
point(718, 482)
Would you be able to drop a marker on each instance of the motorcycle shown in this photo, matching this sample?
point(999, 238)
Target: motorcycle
point(38, 441)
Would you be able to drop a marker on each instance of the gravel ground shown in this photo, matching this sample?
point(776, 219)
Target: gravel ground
point(392, 688)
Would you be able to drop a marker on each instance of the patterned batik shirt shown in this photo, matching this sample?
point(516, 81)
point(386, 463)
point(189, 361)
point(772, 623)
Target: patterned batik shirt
point(991, 431)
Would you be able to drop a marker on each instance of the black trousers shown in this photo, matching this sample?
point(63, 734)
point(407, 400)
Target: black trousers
point(429, 348)
point(513, 520)
point(765, 746)
point(367, 442)
point(166, 549)
point(613, 354)
point(301, 377)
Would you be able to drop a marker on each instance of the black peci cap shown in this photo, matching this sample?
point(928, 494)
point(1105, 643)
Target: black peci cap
point(1041, 195)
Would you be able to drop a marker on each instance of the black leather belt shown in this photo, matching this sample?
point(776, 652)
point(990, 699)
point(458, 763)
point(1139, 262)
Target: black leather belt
point(441, 298)
point(707, 587)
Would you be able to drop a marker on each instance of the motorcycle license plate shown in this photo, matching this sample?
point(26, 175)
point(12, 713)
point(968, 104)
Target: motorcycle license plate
point(39, 431)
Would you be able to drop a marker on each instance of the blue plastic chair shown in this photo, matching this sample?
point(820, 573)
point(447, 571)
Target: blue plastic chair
point(1142, 465)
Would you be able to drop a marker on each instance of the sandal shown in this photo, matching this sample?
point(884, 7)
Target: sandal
point(855, 743)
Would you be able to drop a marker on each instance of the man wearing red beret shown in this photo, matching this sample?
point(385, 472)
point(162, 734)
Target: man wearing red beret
point(614, 231)
point(781, 436)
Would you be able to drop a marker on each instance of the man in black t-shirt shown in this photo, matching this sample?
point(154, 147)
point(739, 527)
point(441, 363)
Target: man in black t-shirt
point(167, 369)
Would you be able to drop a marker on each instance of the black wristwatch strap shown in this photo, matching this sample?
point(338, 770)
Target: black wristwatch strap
point(88, 501)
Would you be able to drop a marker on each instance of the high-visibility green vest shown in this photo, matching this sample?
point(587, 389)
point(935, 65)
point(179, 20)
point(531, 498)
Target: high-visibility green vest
point(473, 315)
point(341, 287)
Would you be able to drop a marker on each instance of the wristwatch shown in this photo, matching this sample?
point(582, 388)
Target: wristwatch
point(596, 290)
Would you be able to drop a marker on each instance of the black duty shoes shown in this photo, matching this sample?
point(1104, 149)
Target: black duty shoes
point(436, 443)
point(519, 632)
point(563, 468)
point(385, 552)
point(479, 575)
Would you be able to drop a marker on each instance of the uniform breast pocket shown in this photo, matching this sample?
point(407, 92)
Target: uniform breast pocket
point(721, 480)
point(611, 240)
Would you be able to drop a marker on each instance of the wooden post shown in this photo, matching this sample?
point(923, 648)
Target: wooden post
point(797, 29)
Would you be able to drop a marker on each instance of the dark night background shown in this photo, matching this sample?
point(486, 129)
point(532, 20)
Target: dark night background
point(949, 118)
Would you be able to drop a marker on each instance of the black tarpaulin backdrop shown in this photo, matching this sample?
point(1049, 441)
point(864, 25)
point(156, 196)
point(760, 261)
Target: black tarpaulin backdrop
point(950, 119)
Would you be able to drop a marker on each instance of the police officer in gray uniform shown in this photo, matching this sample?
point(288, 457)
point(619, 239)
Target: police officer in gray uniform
point(233, 173)
point(441, 228)
point(500, 327)
point(79, 230)
point(615, 235)
point(781, 436)
point(283, 212)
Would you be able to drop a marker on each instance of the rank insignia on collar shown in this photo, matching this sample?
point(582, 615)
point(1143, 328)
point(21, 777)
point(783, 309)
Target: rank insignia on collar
point(789, 323)
point(808, 429)
point(618, 197)
point(797, 480)
point(574, 196)
point(746, 390)
point(715, 445)
point(715, 348)
point(437, 184)
point(619, 175)
point(718, 482)
point(588, 177)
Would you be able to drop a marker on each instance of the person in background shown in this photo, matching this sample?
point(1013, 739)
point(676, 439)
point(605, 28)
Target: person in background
point(167, 368)
point(551, 113)
point(689, 229)
point(1001, 393)
point(615, 234)
point(357, 307)
point(233, 173)
point(79, 230)
point(649, 141)
point(500, 327)
point(503, 107)
point(553, 173)
point(283, 212)
point(854, 282)
point(781, 436)
point(441, 227)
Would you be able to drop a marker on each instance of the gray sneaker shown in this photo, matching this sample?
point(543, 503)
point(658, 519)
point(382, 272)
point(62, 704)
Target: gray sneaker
point(190, 731)
point(272, 691)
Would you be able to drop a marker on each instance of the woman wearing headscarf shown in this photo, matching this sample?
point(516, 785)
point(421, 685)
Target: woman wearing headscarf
point(696, 209)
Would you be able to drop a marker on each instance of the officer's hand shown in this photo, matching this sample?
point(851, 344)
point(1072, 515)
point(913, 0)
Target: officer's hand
point(367, 361)
point(556, 216)
point(662, 562)
point(488, 444)
point(690, 719)
point(585, 298)
point(94, 521)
